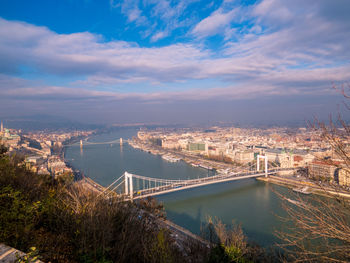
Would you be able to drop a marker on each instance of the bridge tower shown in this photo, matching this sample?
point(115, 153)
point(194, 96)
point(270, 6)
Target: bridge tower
point(81, 144)
point(129, 187)
point(121, 141)
point(258, 163)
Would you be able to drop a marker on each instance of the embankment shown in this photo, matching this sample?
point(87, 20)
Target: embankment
point(313, 187)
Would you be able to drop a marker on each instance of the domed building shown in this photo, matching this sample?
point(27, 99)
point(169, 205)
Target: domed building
point(7, 138)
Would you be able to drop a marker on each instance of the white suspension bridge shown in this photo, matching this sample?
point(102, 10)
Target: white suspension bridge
point(132, 186)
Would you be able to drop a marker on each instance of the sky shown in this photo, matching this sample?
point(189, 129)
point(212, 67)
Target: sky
point(183, 62)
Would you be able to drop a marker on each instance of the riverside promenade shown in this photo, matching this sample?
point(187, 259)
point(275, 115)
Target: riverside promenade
point(314, 188)
point(189, 158)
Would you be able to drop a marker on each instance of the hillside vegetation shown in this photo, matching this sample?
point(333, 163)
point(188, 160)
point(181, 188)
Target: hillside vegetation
point(65, 223)
point(62, 222)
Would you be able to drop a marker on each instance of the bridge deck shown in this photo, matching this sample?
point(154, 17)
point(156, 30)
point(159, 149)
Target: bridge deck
point(163, 186)
point(194, 183)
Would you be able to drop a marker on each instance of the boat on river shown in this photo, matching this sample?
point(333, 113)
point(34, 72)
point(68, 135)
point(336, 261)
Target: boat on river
point(170, 158)
point(304, 190)
point(205, 166)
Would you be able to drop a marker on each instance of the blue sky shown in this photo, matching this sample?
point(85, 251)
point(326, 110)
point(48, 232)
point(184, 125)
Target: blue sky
point(156, 60)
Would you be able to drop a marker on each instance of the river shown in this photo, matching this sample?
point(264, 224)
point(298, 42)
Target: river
point(250, 202)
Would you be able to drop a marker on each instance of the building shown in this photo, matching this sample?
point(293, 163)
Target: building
point(344, 177)
point(183, 143)
point(57, 166)
point(286, 160)
point(9, 139)
point(43, 171)
point(323, 171)
point(196, 146)
point(303, 159)
point(33, 159)
point(244, 157)
point(170, 144)
point(298, 160)
point(215, 150)
point(281, 157)
point(143, 135)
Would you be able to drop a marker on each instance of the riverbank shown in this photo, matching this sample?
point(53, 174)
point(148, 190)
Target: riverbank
point(189, 158)
point(313, 188)
point(91, 185)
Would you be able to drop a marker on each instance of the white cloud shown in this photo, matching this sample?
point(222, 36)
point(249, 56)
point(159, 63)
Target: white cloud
point(303, 56)
point(159, 35)
point(214, 23)
point(131, 9)
point(276, 48)
point(273, 10)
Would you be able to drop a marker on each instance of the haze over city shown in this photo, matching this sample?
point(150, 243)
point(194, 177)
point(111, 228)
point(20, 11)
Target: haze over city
point(187, 61)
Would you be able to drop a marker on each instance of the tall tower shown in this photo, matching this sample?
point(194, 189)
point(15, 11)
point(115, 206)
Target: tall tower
point(2, 127)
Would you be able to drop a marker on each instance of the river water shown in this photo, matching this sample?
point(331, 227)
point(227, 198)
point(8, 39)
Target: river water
point(250, 202)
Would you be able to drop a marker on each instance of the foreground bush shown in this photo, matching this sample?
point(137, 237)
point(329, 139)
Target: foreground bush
point(66, 223)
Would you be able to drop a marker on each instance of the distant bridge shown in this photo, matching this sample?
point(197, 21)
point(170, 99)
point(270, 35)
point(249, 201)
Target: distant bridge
point(84, 142)
point(117, 141)
point(132, 186)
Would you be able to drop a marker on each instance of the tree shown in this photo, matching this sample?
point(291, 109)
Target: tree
point(231, 244)
point(3, 150)
point(318, 227)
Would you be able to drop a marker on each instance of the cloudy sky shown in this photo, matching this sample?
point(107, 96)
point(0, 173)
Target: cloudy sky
point(184, 61)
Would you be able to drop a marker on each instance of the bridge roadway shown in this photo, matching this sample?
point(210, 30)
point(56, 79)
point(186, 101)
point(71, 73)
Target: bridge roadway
point(187, 184)
point(116, 141)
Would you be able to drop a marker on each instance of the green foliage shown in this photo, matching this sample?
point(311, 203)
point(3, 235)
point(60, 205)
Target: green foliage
point(18, 216)
point(235, 254)
point(66, 223)
point(31, 256)
point(232, 244)
point(221, 253)
point(65, 178)
point(160, 251)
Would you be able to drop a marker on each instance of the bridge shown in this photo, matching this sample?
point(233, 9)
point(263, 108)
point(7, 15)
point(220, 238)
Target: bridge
point(133, 186)
point(85, 142)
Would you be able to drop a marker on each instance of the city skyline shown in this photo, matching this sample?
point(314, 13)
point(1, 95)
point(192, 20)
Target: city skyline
point(163, 61)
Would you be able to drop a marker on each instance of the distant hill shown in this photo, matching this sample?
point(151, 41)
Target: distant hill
point(45, 122)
